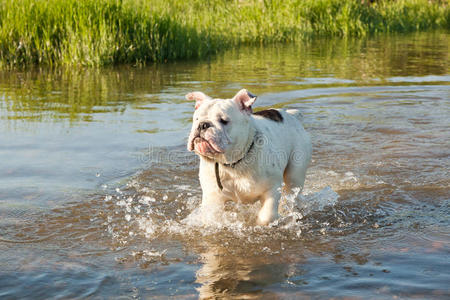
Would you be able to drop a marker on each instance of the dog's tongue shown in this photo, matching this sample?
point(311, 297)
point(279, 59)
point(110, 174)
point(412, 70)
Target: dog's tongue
point(203, 147)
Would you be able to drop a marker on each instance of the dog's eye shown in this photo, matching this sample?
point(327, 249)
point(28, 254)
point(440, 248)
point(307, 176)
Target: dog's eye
point(223, 121)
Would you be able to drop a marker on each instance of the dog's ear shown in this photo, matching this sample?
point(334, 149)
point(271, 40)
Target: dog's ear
point(199, 97)
point(245, 100)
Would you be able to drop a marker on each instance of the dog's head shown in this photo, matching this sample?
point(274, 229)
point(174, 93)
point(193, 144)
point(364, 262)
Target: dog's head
point(221, 127)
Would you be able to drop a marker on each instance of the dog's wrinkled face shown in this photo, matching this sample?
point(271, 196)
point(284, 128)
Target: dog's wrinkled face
point(220, 126)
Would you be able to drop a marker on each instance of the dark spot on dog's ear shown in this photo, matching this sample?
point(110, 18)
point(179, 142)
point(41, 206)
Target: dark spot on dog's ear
point(251, 95)
point(271, 114)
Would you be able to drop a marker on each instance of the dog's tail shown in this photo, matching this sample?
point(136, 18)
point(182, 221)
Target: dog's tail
point(296, 113)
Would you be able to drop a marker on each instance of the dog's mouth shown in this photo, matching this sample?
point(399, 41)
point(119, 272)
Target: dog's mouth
point(205, 147)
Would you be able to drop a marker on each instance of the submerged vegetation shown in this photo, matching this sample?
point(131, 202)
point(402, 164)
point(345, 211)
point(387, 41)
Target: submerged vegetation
point(103, 32)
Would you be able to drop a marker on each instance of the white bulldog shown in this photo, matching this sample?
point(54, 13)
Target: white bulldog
point(246, 156)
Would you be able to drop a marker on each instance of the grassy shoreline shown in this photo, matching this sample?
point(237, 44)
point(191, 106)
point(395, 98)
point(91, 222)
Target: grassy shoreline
point(106, 32)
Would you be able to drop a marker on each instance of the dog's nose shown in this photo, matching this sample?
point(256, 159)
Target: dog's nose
point(204, 125)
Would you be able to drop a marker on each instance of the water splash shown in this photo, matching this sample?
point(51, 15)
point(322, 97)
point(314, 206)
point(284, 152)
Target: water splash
point(154, 214)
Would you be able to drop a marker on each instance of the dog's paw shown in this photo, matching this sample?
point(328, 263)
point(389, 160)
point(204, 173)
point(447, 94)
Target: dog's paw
point(266, 217)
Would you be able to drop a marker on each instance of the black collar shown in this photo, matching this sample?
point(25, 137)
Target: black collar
point(232, 165)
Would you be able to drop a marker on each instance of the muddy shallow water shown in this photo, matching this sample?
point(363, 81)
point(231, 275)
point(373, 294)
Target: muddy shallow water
point(99, 196)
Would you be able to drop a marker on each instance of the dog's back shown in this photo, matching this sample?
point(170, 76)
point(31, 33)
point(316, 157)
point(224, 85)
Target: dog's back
point(296, 113)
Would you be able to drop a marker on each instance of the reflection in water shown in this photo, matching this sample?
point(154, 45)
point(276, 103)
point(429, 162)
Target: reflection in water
point(99, 197)
point(225, 275)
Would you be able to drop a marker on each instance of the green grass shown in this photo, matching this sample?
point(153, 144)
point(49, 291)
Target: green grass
point(105, 32)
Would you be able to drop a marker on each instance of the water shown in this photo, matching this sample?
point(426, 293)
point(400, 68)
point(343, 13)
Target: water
point(99, 197)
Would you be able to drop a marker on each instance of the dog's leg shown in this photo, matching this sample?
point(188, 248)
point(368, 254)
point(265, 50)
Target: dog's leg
point(294, 177)
point(269, 209)
point(211, 208)
point(212, 202)
point(295, 172)
point(213, 198)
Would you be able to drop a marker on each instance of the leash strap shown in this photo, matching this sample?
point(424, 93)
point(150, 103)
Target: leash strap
point(219, 183)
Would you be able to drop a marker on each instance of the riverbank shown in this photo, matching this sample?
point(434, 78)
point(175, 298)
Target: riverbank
point(105, 32)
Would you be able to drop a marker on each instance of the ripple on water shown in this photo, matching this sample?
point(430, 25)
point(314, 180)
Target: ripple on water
point(373, 220)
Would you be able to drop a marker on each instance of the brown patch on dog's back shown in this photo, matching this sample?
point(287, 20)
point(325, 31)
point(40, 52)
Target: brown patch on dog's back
point(271, 114)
